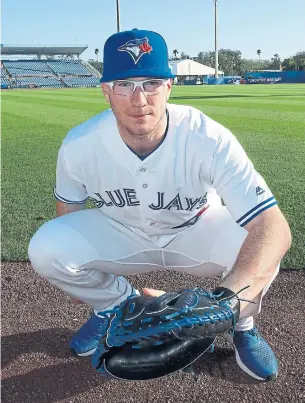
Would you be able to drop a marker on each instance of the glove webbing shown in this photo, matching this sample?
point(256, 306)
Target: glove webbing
point(129, 336)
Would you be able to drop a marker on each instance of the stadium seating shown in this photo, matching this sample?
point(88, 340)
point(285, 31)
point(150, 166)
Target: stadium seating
point(5, 82)
point(81, 81)
point(64, 67)
point(23, 68)
point(3, 73)
point(23, 82)
point(46, 73)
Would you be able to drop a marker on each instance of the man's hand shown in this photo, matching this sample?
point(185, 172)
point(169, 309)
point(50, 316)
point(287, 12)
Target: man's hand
point(152, 293)
point(77, 301)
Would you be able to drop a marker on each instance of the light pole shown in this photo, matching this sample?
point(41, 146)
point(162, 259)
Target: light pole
point(118, 15)
point(216, 39)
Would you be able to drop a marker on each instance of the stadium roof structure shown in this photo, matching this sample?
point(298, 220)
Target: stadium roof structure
point(18, 50)
point(188, 67)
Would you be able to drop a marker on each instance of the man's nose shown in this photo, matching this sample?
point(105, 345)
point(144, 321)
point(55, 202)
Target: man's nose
point(138, 98)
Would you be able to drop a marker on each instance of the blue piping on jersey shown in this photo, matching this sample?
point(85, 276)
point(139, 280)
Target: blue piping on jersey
point(254, 208)
point(62, 199)
point(258, 212)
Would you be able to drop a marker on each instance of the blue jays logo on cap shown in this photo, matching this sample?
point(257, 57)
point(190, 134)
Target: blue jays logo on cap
point(135, 53)
point(136, 48)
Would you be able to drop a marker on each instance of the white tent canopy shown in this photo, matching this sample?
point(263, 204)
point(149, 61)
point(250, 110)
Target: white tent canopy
point(189, 67)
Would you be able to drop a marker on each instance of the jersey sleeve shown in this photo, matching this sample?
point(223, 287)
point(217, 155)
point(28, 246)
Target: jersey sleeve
point(242, 188)
point(68, 189)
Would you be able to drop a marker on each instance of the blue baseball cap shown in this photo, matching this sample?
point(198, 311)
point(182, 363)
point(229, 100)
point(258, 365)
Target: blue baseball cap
point(135, 53)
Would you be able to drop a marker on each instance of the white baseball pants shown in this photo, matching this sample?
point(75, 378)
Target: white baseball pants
point(86, 255)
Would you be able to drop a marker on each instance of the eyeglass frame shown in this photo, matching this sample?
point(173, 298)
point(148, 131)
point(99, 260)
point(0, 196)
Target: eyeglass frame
point(137, 84)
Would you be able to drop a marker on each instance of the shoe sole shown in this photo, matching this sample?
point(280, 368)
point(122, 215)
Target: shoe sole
point(85, 354)
point(244, 367)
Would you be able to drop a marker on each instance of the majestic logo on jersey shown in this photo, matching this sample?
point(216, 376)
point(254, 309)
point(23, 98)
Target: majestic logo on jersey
point(136, 48)
point(259, 190)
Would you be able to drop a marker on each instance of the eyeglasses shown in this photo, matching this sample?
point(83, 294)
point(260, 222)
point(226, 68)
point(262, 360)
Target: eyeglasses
point(127, 87)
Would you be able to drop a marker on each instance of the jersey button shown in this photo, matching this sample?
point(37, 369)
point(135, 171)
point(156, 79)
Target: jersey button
point(152, 224)
point(143, 170)
point(144, 186)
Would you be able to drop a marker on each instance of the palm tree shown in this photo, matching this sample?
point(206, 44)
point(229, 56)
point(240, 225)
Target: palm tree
point(276, 62)
point(175, 52)
point(96, 52)
point(259, 52)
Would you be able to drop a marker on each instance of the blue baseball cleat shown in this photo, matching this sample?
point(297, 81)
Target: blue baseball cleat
point(85, 341)
point(253, 354)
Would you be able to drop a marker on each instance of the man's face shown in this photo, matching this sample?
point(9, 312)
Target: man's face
point(139, 113)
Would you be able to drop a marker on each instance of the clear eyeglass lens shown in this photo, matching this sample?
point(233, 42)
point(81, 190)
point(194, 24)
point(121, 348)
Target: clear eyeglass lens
point(151, 87)
point(123, 87)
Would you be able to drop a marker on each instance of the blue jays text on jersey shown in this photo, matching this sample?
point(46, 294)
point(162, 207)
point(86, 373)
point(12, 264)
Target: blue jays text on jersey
point(128, 197)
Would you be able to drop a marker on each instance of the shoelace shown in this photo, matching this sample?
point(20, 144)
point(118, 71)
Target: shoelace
point(254, 332)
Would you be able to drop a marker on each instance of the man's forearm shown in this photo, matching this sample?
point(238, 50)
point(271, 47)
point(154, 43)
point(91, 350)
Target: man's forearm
point(259, 256)
point(64, 208)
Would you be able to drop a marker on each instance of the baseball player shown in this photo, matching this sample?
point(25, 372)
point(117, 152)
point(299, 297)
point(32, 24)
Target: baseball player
point(172, 188)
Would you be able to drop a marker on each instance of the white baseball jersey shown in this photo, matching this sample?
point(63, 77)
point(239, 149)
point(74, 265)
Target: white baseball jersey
point(199, 163)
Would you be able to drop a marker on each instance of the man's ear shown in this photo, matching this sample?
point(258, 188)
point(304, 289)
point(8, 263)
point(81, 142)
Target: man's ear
point(169, 88)
point(105, 89)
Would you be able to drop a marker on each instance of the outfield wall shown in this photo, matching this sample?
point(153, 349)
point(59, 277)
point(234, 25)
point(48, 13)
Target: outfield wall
point(213, 80)
point(223, 80)
point(274, 77)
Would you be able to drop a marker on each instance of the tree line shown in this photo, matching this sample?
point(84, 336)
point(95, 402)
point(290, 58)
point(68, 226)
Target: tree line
point(231, 61)
point(96, 63)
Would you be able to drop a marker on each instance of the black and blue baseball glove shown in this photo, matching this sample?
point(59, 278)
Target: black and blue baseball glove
point(150, 337)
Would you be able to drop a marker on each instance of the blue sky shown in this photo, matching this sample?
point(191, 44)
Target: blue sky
point(274, 26)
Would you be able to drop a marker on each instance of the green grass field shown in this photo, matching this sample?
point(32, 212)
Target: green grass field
point(268, 120)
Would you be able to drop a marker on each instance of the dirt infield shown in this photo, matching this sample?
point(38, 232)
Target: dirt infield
point(37, 367)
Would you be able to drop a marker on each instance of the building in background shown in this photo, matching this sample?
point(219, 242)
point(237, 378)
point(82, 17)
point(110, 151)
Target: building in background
point(189, 72)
